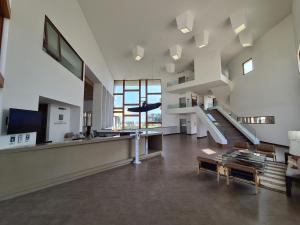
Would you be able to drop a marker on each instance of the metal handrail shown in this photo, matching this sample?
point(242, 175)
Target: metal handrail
point(235, 117)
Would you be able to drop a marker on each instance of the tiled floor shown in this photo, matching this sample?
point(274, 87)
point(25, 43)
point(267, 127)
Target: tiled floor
point(164, 191)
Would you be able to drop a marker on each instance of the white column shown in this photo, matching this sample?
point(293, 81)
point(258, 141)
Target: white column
point(97, 106)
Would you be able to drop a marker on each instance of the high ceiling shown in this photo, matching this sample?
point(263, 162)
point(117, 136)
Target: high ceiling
point(120, 25)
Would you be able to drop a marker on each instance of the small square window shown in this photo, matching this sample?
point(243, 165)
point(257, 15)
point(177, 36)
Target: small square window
point(248, 66)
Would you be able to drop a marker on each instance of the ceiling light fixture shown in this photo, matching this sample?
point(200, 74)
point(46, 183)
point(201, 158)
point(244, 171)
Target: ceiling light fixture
point(138, 53)
point(176, 52)
point(238, 21)
point(246, 38)
point(201, 38)
point(170, 67)
point(185, 22)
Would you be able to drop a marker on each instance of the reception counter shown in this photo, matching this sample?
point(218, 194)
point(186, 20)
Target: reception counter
point(24, 170)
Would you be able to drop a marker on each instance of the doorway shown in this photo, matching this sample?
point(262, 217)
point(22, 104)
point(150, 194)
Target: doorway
point(183, 128)
point(41, 137)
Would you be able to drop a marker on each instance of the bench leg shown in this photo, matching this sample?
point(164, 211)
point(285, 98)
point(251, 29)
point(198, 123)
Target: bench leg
point(198, 169)
point(288, 182)
point(227, 176)
point(218, 174)
point(256, 184)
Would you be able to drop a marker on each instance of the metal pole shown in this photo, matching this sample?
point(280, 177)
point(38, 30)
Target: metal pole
point(137, 148)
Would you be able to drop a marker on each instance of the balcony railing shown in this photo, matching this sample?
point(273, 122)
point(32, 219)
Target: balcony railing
point(180, 106)
point(181, 80)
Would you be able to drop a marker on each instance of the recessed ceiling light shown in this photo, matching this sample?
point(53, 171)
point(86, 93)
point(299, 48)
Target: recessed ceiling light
point(238, 21)
point(176, 52)
point(202, 38)
point(246, 38)
point(185, 22)
point(138, 53)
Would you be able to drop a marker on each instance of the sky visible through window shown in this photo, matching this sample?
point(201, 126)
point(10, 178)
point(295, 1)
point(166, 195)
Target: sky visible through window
point(248, 66)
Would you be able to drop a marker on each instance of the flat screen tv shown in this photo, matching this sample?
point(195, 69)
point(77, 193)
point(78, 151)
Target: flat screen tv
point(23, 121)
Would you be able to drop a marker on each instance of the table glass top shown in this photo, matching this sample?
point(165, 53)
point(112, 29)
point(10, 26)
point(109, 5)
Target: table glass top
point(245, 157)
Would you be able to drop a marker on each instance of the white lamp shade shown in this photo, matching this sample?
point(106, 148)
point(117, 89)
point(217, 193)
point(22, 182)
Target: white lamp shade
point(238, 21)
point(170, 67)
point(246, 38)
point(176, 52)
point(138, 53)
point(185, 22)
point(294, 137)
point(202, 38)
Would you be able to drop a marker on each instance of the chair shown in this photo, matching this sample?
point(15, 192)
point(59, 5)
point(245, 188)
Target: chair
point(266, 149)
point(206, 164)
point(242, 172)
point(242, 145)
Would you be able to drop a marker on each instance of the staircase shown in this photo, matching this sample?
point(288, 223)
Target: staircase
point(232, 134)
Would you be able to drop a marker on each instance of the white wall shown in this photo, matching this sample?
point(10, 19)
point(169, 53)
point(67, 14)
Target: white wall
point(168, 120)
point(208, 68)
point(273, 88)
point(30, 72)
point(56, 129)
point(296, 18)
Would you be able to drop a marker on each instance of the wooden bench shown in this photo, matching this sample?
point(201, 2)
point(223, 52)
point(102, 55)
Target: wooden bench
point(266, 149)
point(242, 172)
point(206, 164)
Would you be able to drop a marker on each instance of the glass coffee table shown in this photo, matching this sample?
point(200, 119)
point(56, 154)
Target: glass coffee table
point(245, 158)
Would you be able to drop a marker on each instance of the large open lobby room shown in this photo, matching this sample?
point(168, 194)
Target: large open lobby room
point(150, 112)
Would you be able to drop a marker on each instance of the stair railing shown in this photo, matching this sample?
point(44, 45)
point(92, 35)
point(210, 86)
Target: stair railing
point(235, 117)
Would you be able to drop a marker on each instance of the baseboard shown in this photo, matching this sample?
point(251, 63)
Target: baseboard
point(171, 134)
point(70, 177)
point(202, 137)
point(278, 145)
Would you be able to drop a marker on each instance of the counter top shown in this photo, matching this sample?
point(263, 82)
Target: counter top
point(74, 142)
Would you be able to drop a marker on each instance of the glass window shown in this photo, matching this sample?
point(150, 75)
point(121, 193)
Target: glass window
point(143, 120)
point(126, 112)
point(118, 118)
point(131, 122)
point(154, 86)
point(132, 85)
point(143, 89)
point(52, 41)
point(132, 97)
point(248, 66)
point(136, 92)
point(118, 88)
point(118, 101)
point(57, 47)
point(154, 125)
point(70, 59)
point(154, 116)
point(154, 99)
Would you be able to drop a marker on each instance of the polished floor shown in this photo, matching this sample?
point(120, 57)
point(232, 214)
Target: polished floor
point(162, 191)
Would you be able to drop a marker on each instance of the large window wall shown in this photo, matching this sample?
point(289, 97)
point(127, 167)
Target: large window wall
point(132, 93)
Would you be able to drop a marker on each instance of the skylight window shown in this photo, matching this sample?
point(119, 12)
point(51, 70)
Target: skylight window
point(248, 66)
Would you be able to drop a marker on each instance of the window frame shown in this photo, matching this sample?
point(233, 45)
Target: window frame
point(139, 115)
point(243, 65)
point(60, 36)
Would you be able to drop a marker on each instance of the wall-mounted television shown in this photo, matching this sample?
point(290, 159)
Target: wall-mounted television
point(23, 121)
